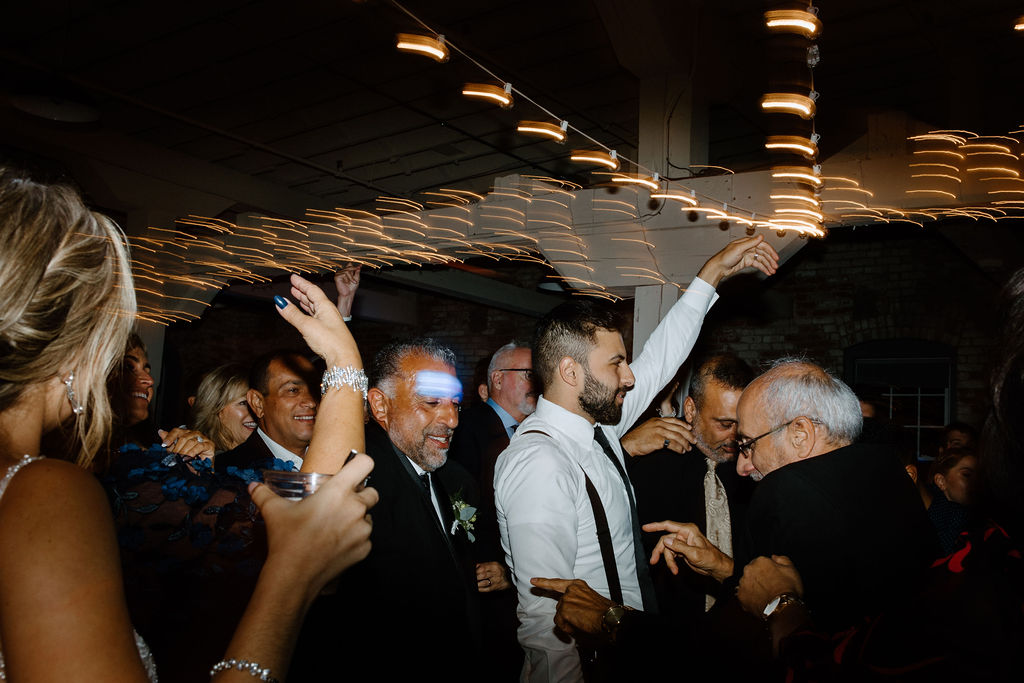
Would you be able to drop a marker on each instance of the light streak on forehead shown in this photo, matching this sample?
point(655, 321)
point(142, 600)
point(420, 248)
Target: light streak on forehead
point(434, 384)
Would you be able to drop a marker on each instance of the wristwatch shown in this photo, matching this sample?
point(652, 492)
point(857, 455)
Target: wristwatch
point(612, 618)
point(779, 603)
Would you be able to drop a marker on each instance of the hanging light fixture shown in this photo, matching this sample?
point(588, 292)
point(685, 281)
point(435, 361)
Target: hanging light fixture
point(806, 199)
point(649, 183)
point(430, 46)
point(555, 132)
point(489, 92)
point(788, 212)
point(788, 103)
point(606, 159)
point(689, 200)
point(791, 143)
point(797, 21)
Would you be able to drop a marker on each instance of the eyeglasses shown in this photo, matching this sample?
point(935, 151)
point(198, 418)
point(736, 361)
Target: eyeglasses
point(527, 372)
point(746, 446)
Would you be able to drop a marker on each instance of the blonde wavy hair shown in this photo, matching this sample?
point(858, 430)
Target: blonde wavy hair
point(68, 303)
point(218, 388)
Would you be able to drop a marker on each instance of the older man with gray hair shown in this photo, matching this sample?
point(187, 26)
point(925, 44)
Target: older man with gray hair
point(845, 513)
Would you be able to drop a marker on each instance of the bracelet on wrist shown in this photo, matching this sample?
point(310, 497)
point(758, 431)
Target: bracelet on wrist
point(251, 668)
point(336, 377)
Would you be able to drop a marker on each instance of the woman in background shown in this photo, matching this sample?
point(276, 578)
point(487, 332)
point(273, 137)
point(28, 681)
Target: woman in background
point(65, 318)
point(220, 409)
point(952, 475)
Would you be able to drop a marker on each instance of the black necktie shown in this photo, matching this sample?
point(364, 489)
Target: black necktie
point(447, 516)
point(643, 573)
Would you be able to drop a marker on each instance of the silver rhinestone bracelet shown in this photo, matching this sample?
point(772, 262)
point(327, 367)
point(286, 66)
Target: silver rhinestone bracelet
point(336, 377)
point(251, 668)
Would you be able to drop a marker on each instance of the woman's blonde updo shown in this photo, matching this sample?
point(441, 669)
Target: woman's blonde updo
point(68, 302)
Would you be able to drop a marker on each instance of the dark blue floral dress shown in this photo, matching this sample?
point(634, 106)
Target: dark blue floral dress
point(192, 545)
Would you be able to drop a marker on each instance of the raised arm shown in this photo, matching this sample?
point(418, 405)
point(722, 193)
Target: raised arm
point(347, 282)
point(749, 252)
point(339, 422)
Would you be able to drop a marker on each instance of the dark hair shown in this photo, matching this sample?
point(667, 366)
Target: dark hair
point(259, 373)
point(948, 460)
point(726, 369)
point(967, 429)
point(387, 361)
point(135, 342)
point(570, 329)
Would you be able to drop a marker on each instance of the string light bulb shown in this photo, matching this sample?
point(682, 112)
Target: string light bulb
point(675, 196)
point(555, 132)
point(807, 199)
point(791, 143)
point(801, 22)
point(586, 156)
point(788, 103)
point(490, 92)
point(649, 183)
point(1019, 24)
point(430, 46)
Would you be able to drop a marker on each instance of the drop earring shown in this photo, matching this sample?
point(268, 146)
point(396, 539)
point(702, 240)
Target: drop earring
point(76, 407)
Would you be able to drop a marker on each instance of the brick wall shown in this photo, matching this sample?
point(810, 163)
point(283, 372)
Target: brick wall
point(865, 285)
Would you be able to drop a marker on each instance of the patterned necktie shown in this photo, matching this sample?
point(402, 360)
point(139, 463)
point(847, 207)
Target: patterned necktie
point(718, 522)
point(643, 573)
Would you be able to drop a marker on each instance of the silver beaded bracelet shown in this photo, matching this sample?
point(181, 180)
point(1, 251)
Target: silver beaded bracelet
point(251, 668)
point(337, 377)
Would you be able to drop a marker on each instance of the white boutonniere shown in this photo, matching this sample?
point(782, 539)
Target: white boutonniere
point(465, 517)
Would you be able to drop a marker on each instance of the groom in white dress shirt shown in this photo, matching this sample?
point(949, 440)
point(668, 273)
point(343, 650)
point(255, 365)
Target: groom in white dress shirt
point(544, 513)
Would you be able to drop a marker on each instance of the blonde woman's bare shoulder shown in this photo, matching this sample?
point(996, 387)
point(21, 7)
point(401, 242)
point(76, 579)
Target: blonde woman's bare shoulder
point(48, 499)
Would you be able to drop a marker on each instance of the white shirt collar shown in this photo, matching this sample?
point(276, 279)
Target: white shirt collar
point(279, 451)
point(419, 470)
point(578, 428)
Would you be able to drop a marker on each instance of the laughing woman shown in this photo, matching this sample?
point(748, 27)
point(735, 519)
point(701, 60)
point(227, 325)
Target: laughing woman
point(220, 409)
point(65, 317)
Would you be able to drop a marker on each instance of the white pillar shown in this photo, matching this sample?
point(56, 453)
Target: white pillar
point(652, 303)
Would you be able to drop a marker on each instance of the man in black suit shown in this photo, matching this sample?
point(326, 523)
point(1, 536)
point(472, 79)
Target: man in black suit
point(845, 514)
point(483, 433)
point(412, 607)
point(678, 482)
point(485, 428)
point(281, 399)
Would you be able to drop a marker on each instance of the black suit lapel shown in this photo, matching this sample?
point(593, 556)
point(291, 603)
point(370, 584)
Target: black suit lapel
point(250, 454)
point(462, 553)
point(445, 503)
point(428, 506)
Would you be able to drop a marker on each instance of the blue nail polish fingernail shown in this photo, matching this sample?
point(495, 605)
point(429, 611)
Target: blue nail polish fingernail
point(280, 301)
